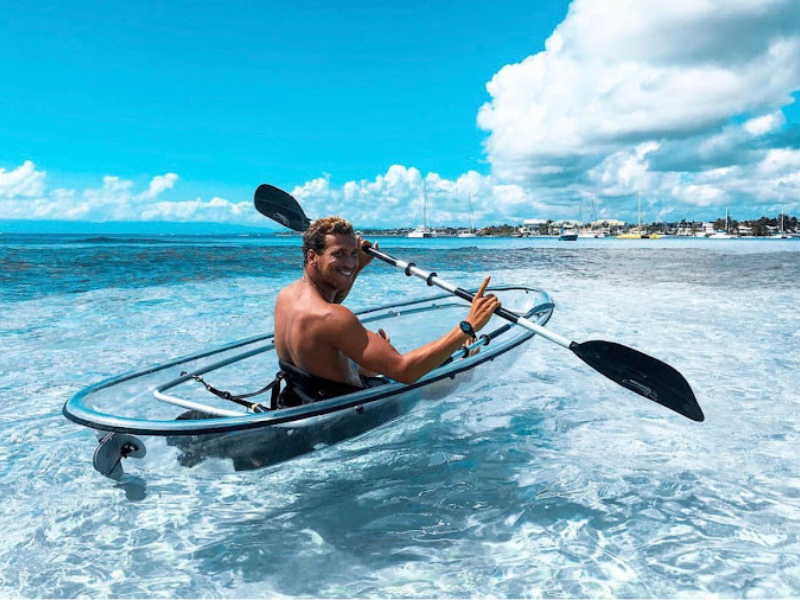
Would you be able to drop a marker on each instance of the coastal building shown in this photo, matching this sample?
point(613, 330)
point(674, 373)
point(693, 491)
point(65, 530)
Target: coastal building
point(688, 228)
point(599, 228)
point(707, 230)
point(533, 227)
point(607, 227)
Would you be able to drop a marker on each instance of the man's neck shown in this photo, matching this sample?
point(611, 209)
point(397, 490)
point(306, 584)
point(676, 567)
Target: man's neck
point(325, 291)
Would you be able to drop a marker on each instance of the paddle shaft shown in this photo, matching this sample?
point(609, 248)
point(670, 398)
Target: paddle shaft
point(433, 279)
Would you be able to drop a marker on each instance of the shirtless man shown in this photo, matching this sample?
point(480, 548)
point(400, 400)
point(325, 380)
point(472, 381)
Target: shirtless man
point(315, 334)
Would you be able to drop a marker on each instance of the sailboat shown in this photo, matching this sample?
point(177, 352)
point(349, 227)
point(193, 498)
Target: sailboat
point(638, 233)
point(722, 235)
point(423, 231)
point(588, 232)
point(780, 235)
point(471, 233)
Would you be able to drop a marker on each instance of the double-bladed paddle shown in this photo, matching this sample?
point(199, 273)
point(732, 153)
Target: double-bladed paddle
point(634, 370)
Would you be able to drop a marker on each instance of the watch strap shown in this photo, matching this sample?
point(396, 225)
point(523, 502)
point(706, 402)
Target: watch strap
point(467, 328)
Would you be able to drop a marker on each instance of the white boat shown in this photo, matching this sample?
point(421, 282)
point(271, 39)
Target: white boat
point(723, 235)
point(471, 233)
point(164, 418)
point(587, 232)
point(568, 231)
point(781, 235)
point(423, 231)
point(568, 235)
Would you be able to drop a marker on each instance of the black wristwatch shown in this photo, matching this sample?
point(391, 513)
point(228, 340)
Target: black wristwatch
point(466, 327)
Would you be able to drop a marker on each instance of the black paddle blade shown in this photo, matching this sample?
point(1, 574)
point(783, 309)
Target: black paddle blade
point(280, 207)
point(643, 374)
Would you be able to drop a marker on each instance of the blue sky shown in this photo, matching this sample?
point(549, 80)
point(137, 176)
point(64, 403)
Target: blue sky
point(176, 111)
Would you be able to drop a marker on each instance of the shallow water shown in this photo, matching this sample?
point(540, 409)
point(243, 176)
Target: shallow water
point(547, 481)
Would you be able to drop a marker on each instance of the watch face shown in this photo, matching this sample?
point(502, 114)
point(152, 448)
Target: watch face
point(466, 328)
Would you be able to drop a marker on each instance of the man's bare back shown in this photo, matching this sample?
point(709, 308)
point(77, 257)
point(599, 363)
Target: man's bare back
point(302, 319)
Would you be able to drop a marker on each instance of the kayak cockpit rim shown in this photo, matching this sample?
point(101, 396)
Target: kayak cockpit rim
point(226, 420)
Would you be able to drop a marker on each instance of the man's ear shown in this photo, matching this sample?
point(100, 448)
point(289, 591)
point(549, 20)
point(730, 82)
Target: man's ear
point(311, 257)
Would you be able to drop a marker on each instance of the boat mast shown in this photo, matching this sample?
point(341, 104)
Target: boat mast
point(424, 205)
point(640, 212)
point(471, 227)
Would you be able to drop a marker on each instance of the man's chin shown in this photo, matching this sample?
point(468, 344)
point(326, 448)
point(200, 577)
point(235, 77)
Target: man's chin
point(346, 279)
point(340, 282)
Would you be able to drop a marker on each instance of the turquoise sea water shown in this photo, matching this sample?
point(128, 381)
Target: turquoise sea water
point(548, 481)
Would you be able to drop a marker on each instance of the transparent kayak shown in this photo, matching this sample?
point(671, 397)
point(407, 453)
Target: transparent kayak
point(166, 405)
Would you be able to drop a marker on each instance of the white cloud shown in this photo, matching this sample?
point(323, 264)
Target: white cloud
point(393, 199)
point(771, 185)
point(24, 195)
point(159, 184)
point(675, 77)
point(216, 210)
point(397, 199)
point(23, 182)
point(765, 124)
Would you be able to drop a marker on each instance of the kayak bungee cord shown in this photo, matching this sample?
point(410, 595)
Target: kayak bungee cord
point(241, 399)
point(632, 369)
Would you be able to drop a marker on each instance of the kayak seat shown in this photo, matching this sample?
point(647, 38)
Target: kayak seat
point(305, 388)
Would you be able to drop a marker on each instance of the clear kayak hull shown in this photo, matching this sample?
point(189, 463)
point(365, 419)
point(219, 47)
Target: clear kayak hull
point(165, 405)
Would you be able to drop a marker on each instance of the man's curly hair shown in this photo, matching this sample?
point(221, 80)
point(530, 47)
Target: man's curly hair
point(314, 237)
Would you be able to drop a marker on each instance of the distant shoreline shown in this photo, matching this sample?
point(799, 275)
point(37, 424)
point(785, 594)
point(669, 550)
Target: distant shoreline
point(761, 228)
point(117, 235)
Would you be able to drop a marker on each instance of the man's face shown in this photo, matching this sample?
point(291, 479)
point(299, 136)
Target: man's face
point(338, 260)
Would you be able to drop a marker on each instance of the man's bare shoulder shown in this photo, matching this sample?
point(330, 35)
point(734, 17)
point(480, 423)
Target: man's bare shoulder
point(298, 298)
point(336, 315)
point(302, 302)
point(290, 291)
point(334, 322)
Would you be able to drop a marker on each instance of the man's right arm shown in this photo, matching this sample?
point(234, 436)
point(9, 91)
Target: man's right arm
point(372, 352)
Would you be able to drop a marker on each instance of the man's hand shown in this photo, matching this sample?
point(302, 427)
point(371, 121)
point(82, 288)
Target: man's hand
point(482, 307)
point(363, 258)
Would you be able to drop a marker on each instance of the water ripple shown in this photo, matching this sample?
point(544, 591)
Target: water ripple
point(546, 482)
